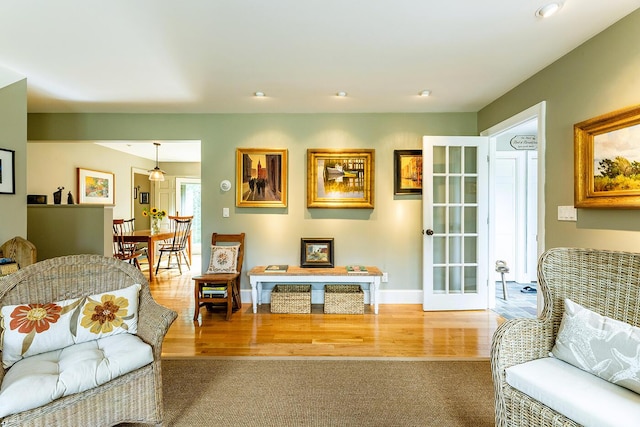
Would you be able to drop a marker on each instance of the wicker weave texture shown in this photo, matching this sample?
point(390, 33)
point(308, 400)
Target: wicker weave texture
point(607, 282)
point(343, 299)
point(133, 397)
point(291, 299)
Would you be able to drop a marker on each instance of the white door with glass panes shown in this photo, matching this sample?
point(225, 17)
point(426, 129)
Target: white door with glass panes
point(455, 222)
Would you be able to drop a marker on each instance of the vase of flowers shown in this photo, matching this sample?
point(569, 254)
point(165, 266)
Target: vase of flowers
point(156, 216)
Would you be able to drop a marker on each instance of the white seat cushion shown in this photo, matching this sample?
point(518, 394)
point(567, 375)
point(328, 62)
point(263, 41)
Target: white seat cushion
point(40, 379)
point(578, 395)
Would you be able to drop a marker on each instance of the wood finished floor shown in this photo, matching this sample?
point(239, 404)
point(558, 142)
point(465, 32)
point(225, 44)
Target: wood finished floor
point(397, 331)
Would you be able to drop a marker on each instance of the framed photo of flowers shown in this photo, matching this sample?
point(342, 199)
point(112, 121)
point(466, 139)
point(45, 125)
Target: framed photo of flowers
point(96, 187)
point(338, 178)
point(261, 178)
point(607, 161)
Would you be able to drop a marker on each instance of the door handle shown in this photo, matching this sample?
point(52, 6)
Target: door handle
point(428, 231)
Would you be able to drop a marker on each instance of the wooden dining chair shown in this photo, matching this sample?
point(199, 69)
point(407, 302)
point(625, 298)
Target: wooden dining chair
point(129, 227)
point(181, 227)
point(220, 285)
point(121, 249)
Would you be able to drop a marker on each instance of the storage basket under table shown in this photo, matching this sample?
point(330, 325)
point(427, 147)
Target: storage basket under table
point(291, 299)
point(343, 299)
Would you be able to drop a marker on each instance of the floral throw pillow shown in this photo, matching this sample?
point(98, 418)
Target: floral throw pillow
point(599, 345)
point(224, 259)
point(29, 329)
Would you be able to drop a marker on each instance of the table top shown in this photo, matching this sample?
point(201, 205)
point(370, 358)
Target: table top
point(318, 271)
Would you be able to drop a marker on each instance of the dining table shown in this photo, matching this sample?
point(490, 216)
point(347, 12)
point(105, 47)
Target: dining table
point(152, 239)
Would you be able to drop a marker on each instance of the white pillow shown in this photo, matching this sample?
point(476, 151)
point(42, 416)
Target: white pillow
point(29, 329)
point(599, 345)
point(224, 259)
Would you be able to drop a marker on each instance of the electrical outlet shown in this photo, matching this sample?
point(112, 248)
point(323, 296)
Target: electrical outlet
point(385, 277)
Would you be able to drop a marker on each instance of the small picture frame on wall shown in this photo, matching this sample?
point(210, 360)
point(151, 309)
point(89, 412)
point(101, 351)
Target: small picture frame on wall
point(7, 171)
point(407, 171)
point(317, 252)
point(96, 187)
point(144, 197)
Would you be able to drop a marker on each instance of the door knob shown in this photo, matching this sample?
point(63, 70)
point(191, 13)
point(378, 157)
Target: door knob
point(429, 232)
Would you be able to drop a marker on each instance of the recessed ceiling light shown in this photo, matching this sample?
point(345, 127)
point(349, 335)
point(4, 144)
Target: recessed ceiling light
point(259, 94)
point(425, 93)
point(341, 94)
point(548, 9)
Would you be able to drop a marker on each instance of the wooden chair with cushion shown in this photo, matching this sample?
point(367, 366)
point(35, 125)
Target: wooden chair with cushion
point(223, 274)
point(123, 250)
point(181, 228)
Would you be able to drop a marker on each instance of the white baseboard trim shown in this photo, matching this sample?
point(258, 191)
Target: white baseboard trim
point(386, 296)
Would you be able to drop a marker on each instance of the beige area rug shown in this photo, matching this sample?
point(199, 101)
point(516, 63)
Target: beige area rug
point(327, 392)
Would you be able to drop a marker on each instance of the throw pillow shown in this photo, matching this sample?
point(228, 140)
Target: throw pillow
point(29, 329)
point(599, 345)
point(224, 259)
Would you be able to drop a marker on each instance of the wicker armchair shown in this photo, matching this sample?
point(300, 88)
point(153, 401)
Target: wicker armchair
point(607, 282)
point(133, 397)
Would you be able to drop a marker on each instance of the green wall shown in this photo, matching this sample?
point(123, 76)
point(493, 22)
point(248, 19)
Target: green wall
point(601, 76)
point(389, 236)
point(13, 128)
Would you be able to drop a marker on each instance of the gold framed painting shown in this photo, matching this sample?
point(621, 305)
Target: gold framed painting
point(340, 178)
point(261, 178)
point(96, 187)
point(607, 161)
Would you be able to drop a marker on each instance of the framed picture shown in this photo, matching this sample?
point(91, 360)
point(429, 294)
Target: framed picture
point(144, 197)
point(607, 160)
point(316, 252)
point(407, 166)
point(7, 171)
point(340, 178)
point(96, 187)
point(261, 178)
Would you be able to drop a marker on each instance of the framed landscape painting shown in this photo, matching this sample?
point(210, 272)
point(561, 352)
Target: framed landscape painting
point(316, 252)
point(607, 160)
point(261, 178)
point(96, 187)
point(407, 171)
point(338, 178)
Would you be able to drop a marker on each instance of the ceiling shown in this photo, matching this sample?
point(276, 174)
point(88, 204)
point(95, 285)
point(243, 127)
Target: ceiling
point(211, 56)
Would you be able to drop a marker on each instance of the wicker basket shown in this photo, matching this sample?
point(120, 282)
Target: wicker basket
point(291, 299)
point(343, 299)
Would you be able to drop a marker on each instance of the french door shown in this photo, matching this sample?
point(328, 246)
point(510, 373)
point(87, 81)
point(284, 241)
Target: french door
point(455, 222)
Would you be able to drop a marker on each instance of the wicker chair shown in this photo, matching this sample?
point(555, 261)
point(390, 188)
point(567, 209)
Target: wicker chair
point(607, 282)
point(133, 397)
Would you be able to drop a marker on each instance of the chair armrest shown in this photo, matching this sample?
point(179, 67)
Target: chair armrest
point(154, 321)
point(520, 340)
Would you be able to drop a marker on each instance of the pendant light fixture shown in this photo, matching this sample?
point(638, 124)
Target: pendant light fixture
point(156, 174)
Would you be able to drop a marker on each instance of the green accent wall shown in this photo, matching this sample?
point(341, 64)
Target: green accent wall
point(600, 76)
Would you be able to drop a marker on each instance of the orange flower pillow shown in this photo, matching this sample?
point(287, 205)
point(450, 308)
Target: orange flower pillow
point(29, 329)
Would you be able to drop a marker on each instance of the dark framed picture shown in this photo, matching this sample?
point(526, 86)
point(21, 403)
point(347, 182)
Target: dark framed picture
point(340, 178)
point(96, 187)
point(7, 171)
point(144, 197)
point(607, 161)
point(407, 171)
point(261, 178)
point(317, 252)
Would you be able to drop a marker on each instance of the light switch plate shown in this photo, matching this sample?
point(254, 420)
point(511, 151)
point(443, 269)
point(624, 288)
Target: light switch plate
point(225, 212)
point(567, 213)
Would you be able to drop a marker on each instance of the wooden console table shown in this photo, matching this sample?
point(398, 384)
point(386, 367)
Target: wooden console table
point(257, 276)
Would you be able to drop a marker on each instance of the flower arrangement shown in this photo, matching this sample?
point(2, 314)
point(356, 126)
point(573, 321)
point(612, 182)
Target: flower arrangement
point(154, 213)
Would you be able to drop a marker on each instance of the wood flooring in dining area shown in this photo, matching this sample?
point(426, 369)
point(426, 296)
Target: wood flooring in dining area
point(398, 330)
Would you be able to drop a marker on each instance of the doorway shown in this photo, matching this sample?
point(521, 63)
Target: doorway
point(516, 205)
point(188, 202)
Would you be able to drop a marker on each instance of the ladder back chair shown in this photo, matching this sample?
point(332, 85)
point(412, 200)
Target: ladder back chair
point(181, 228)
point(220, 285)
point(122, 250)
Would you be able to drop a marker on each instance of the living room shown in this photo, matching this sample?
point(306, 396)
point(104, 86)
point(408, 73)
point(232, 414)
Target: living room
point(597, 77)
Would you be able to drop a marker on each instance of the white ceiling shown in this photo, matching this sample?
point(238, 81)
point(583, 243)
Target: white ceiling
point(210, 56)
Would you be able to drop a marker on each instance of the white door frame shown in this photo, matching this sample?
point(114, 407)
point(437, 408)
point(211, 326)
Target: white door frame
point(538, 112)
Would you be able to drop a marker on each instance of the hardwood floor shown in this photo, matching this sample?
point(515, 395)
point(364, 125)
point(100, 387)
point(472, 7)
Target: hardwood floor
point(397, 331)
